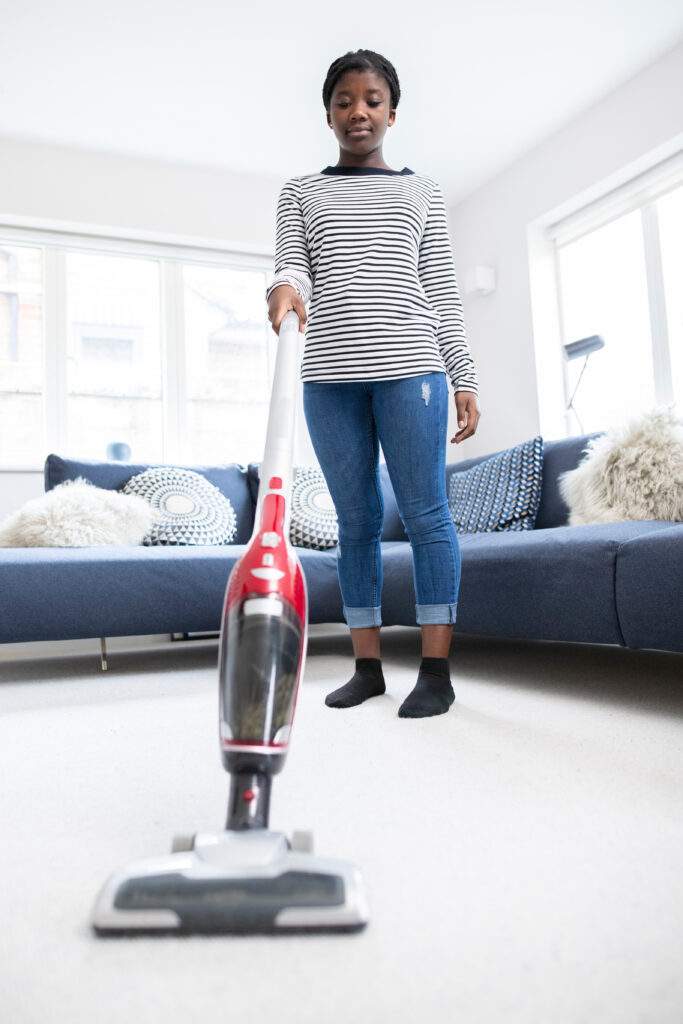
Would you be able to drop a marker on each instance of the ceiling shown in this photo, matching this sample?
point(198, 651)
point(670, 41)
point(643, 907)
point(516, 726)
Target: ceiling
point(238, 86)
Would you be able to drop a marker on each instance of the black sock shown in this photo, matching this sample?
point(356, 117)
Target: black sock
point(433, 693)
point(368, 681)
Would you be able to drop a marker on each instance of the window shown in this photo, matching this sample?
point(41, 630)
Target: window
point(114, 356)
point(619, 267)
point(165, 349)
point(603, 284)
point(226, 363)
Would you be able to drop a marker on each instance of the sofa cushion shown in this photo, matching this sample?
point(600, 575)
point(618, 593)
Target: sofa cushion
point(633, 471)
point(70, 593)
point(557, 457)
point(555, 584)
point(188, 509)
point(78, 514)
point(393, 528)
point(313, 520)
point(230, 479)
point(500, 492)
point(73, 593)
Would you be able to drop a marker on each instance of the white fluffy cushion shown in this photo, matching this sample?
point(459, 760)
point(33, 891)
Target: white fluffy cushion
point(634, 471)
point(77, 514)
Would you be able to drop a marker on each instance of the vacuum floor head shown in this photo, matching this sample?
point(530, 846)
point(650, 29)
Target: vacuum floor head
point(243, 882)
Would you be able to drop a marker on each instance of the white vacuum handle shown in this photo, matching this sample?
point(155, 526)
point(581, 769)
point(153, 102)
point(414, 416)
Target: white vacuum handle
point(279, 448)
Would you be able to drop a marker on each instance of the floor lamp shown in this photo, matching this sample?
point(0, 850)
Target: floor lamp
point(573, 350)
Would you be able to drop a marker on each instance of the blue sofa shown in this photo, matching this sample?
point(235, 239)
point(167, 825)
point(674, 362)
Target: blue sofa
point(613, 583)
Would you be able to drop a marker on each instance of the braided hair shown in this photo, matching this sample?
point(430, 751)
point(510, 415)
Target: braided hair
point(361, 60)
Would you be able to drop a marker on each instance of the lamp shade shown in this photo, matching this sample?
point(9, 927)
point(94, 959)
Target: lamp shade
point(584, 346)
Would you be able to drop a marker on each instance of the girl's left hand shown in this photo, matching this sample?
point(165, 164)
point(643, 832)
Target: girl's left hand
point(468, 414)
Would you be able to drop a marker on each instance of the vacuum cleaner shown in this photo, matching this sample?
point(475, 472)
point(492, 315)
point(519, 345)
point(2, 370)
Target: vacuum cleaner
point(249, 878)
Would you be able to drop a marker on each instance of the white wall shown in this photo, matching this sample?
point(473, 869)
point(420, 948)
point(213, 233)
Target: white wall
point(637, 124)
point(58, 183)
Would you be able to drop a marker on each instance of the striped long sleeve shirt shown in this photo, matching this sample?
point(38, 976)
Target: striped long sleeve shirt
point(370, 249)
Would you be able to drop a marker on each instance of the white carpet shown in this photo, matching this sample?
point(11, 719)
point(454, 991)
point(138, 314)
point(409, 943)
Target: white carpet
point(522, 853)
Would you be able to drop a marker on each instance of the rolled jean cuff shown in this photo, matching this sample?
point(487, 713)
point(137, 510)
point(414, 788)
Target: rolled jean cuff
point(435, 614)
point(358, 618)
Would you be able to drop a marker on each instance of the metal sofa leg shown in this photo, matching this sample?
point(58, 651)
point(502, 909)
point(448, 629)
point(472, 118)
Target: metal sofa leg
point(103, 653)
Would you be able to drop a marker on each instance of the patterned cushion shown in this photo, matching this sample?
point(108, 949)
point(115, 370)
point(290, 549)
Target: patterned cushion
point(499, 493)
point(313, 522)
point(188, 508)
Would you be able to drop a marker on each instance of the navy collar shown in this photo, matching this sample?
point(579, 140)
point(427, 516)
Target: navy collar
point(364, 170)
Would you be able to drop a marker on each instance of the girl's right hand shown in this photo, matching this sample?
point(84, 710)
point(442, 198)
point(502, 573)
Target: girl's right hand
point(282, 299)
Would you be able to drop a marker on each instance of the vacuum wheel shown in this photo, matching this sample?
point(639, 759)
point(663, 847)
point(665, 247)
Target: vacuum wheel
point(182, 844)
point(302, 841)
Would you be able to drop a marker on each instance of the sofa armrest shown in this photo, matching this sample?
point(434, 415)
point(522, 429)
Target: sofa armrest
point(648, 589)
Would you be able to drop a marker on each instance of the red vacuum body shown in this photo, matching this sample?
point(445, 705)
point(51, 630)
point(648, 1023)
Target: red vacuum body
point(261, 660)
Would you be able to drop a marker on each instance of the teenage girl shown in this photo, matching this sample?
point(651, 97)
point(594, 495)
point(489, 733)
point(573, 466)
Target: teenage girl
point(369, 247)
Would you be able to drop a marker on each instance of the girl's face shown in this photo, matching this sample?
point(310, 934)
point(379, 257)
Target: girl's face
point(360, 100)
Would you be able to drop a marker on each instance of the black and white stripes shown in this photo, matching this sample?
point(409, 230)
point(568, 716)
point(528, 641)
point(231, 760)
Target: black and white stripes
point(370, 249)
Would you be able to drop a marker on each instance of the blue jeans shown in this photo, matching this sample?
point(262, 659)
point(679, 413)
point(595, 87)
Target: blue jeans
point(408, 416)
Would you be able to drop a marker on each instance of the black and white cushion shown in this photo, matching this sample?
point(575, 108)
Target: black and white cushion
point(502, 492)
point(188, 508)
point(313, 522)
